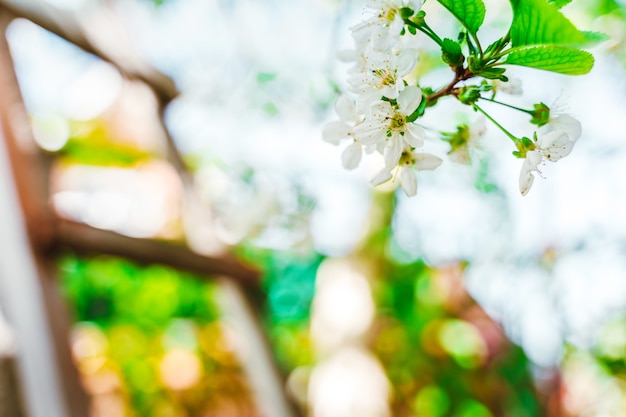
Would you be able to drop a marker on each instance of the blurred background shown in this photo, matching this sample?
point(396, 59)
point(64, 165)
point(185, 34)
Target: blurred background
point(198, 123)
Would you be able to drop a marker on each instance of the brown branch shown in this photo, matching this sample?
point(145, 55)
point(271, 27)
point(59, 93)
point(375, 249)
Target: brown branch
point(461, 74)
point(86, 240)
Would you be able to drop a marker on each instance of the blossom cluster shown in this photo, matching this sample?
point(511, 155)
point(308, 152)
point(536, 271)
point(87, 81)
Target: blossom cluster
point(382, 109)
point(378, 114)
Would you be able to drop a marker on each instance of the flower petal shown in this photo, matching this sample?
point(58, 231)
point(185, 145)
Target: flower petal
point(408, 180)
point(346, 109)
point(351, 156)
point(426, 161)
point(414, 135)
point(567, 124)
point(477, 129)
point(531, 163)
point(381, 177)
point(361, 32)
point(409, 99)
point(555, 145)
point(381, 110)
point(370, 133)
point(460, 155)
point(525, 181)
point(367, 99)
point(393, 152)
point(406, 61)
point(385, 34)
point(511, 87)
point(333, 132)
point(558, 137)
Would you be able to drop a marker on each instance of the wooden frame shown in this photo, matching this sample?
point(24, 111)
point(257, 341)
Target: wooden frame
point(48, 378)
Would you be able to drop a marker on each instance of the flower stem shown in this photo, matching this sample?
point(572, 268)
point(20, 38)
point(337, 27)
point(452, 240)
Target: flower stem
point(532, 113)
point(432, 33)
point(480, 48)
point(515, 139)
point(425, 29)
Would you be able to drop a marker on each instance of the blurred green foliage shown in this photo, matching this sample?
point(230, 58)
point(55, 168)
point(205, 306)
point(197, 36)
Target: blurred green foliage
point(289, 281)
point(157, 333)
point(609, 17)
point(110, 291)
point(149, 340)
point(93, 143)
point(442, 354)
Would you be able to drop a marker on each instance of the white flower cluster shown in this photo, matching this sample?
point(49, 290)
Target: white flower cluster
point(375, 115)
point(555, 140)
point(379, 112)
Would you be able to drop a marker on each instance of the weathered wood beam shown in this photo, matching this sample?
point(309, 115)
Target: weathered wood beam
point(34, 305)
point(11, 400)
point(86, 240)
point(67, 26)
point(51, 235)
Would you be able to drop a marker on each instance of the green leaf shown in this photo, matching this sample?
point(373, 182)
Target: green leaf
point(560, 3)
point(451, 53)
point(537, 22)
point(471, 13)
point(496, 47)
point(493, 74)
point(561, 59)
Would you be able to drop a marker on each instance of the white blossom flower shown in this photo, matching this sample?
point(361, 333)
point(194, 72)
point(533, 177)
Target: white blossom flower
point(387, 126)
point(466, 140)
point(335, 132)
point(512, 87)
point(351, 156)
point(382, 76)
point(526, 177)
point(382, 30)
point(555, 140)
point(409, 164)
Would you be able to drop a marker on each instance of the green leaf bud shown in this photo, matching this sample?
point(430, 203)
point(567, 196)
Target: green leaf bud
point(406, 12)
point(451, 53)
point(469, 95)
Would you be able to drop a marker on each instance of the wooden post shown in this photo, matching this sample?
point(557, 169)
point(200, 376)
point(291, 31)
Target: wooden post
point(32, 301)
point(10, 398)
point(11, 402)
point(255, 354)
